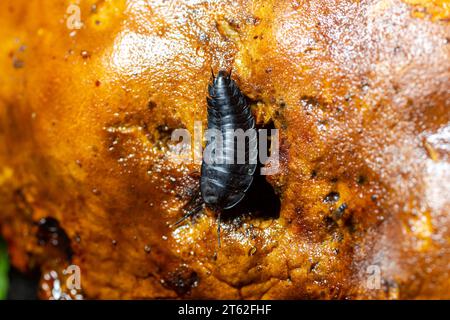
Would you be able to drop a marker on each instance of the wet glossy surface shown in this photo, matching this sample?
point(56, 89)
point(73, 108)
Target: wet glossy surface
point(359, 89)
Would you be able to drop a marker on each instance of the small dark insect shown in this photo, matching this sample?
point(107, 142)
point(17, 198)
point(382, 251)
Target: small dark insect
point(225, 181)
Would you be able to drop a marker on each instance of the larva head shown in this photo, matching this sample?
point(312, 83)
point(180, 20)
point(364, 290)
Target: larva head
point(219, 197)
point(220, 83)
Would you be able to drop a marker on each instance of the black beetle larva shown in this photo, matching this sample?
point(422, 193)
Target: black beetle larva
point(224, 183)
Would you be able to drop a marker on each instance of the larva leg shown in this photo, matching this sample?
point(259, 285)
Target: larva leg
point(218, 229)
point(195, 205)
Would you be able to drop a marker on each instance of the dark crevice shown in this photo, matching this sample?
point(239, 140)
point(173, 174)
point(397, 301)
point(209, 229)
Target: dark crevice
point(50, 233)
point(261, 199)
point(181, 280)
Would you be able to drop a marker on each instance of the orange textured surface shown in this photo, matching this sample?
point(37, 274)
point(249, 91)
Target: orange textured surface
point(360, 91)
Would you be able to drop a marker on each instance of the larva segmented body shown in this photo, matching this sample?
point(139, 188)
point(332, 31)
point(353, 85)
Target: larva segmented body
point(225, 181)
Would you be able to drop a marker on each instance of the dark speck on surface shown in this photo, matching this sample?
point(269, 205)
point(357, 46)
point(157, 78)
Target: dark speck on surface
point(332, 197)
point(17, 63)
point(85, 54)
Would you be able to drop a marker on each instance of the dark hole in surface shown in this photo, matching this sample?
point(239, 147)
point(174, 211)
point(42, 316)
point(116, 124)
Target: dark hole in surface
point(161, 136)
point(261, 199)
point(50, 233)
point(182, 280)
point(332, 197)
point(361, 179)
point(350, 224)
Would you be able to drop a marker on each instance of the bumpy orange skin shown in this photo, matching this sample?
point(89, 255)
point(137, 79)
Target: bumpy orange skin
point(360, 91)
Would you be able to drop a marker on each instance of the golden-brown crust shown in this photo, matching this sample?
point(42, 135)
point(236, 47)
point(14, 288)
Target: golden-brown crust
point(359, 90)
